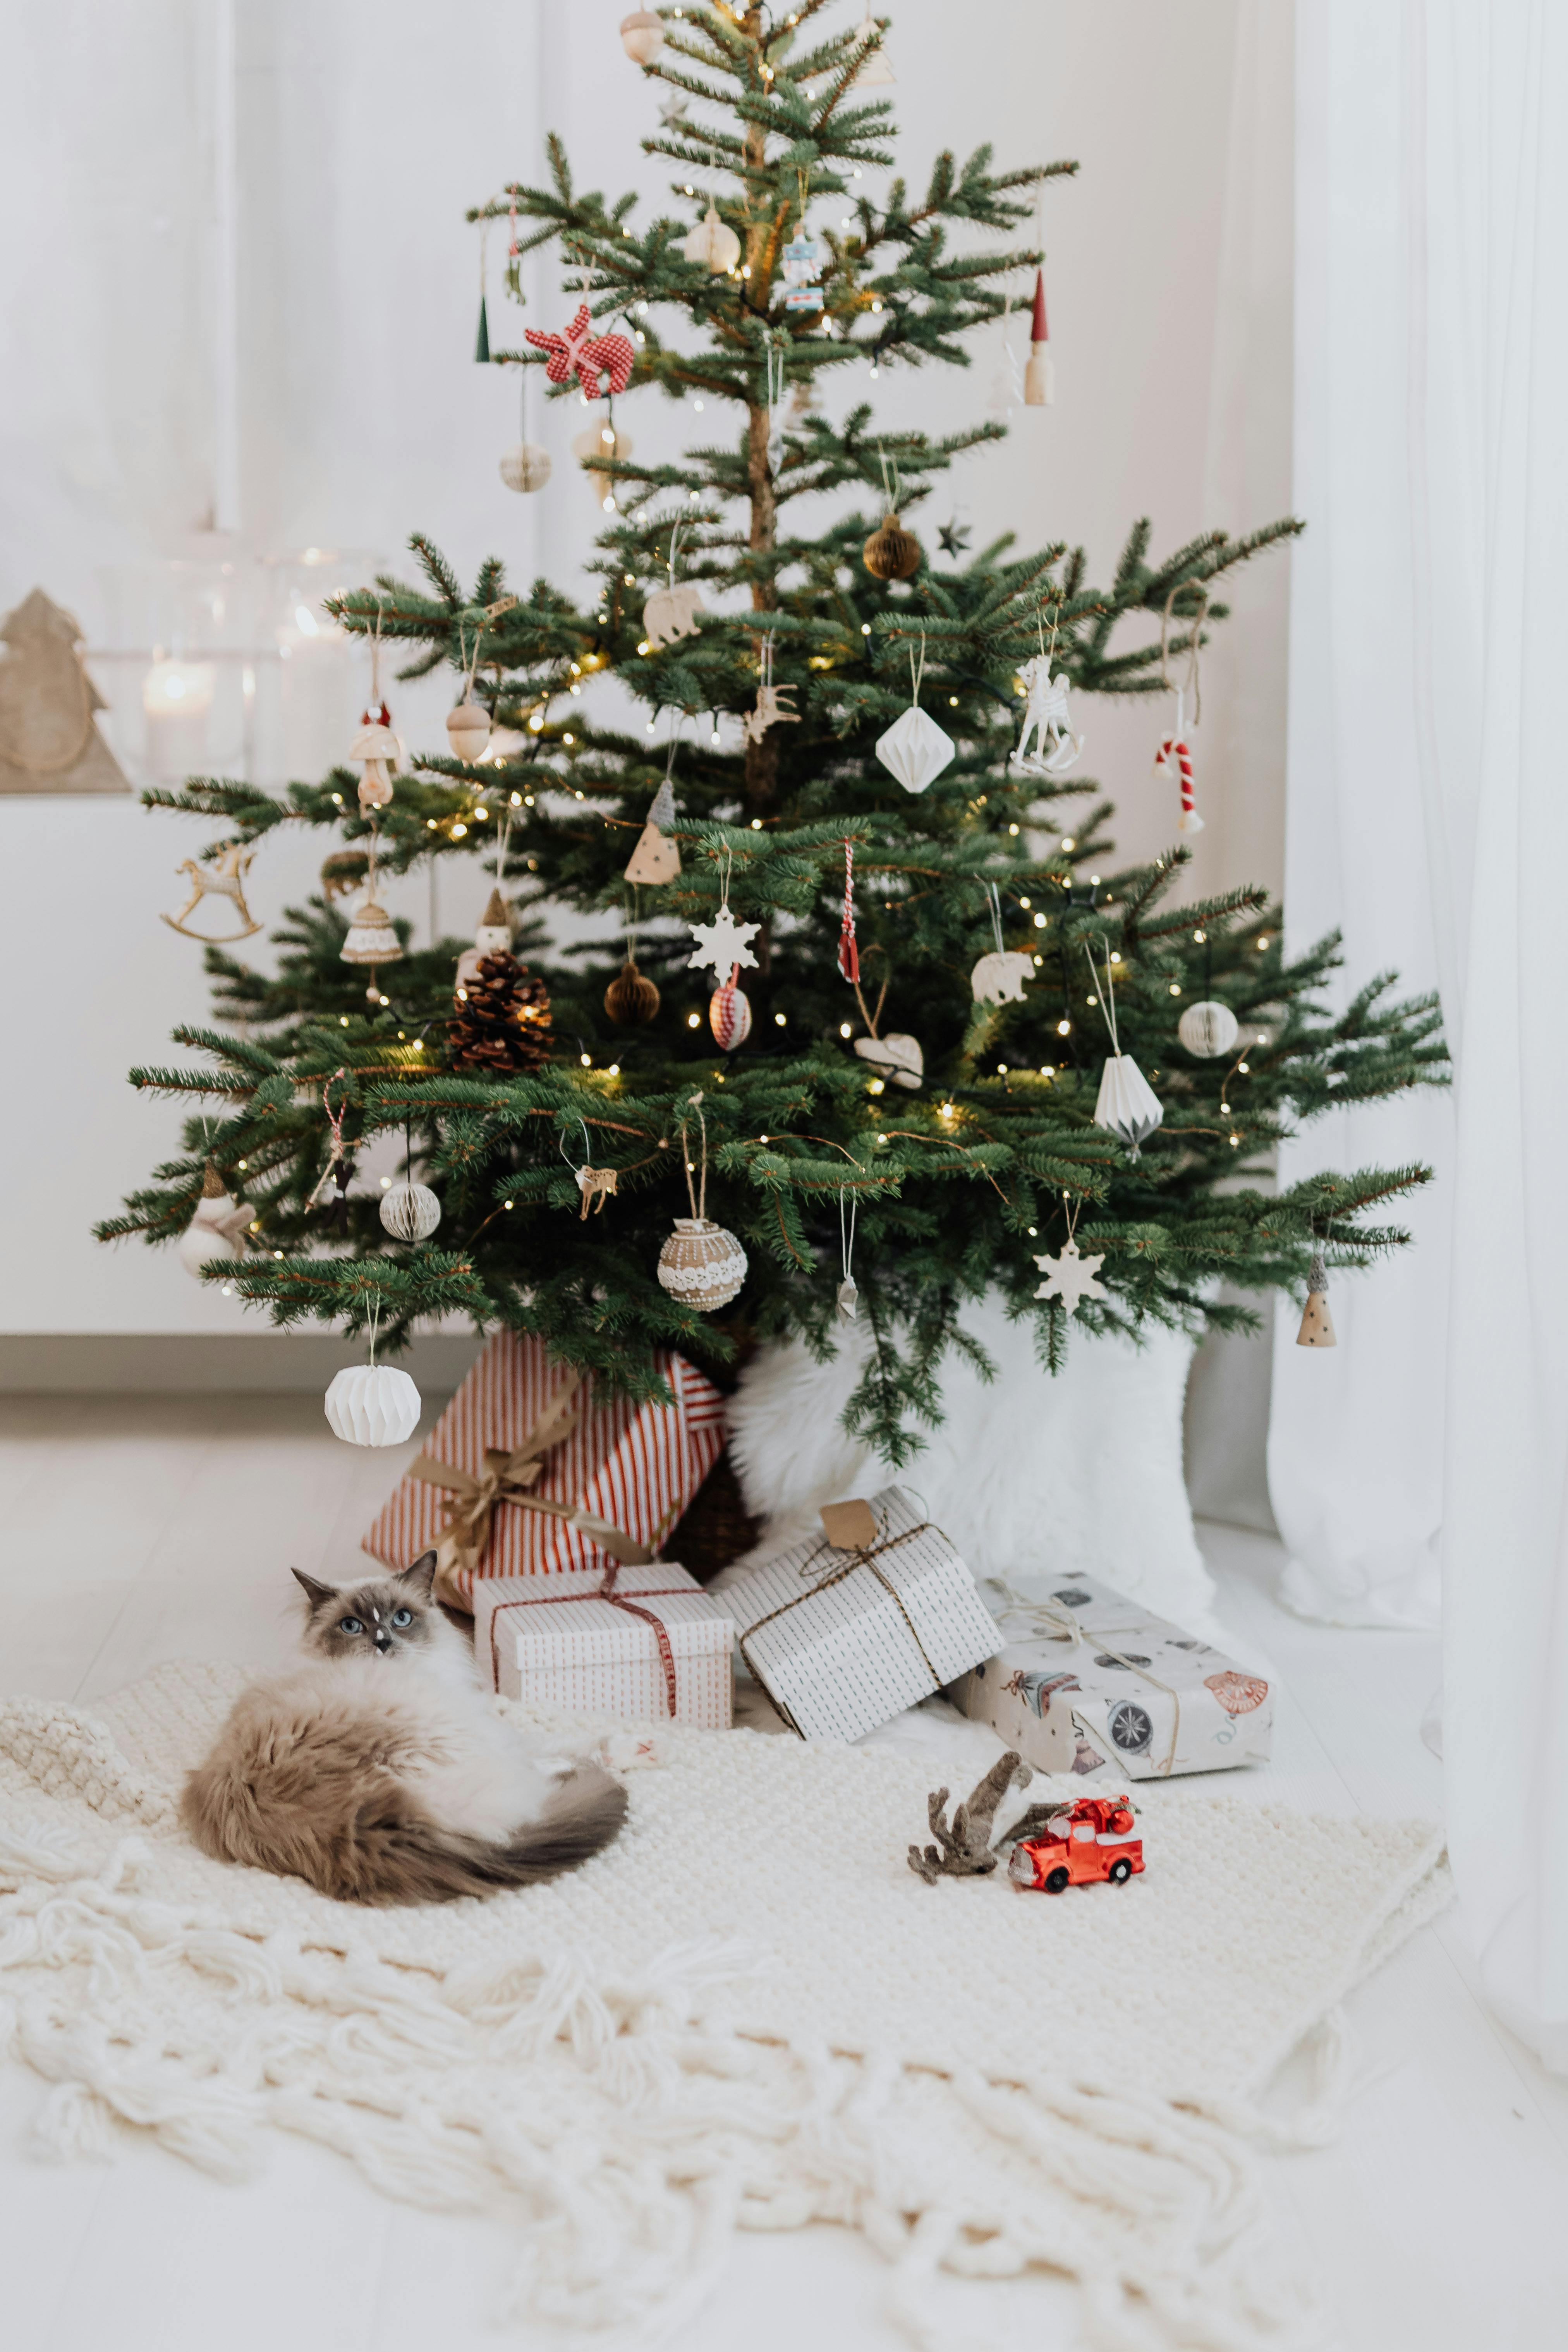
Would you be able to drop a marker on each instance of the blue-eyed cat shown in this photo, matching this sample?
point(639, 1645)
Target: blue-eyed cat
point(377, 1770)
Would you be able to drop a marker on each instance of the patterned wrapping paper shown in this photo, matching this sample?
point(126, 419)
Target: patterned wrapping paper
point(845, 1655)
point(633, 1467)
point(563, 1646)
point(1092, 1682)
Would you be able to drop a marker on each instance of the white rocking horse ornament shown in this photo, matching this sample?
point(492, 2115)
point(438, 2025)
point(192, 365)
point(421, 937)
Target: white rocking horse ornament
point(225, 879)
point(1047, 717)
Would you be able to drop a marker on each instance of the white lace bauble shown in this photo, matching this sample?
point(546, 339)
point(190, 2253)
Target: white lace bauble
point(701, 1264)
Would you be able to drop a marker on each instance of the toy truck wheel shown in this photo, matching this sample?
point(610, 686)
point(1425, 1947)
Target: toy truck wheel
point(1056, 1882)
point(1121, 1871)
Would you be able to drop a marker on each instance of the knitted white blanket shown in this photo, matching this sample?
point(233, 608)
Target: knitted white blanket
point(747, 2012)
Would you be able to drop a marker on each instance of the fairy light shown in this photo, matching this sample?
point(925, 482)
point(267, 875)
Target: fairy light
point(1175, 988)
point(1064, 1028)
point(587, 1065)
point(1040, 925)
point(1069, 843)
point(779, 1020)
point(1012, 828)
point(694, 1021)
point(844, 1028)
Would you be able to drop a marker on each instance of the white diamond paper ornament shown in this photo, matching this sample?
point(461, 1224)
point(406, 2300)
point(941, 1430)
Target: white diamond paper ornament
point(1127, 1103)
point(373, 1404)
point(915, 750)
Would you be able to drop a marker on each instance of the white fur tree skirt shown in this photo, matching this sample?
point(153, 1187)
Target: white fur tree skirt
point(1032, 1475)
point(748, 2013)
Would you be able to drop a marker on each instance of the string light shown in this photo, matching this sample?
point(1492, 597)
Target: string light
point(844, 1028)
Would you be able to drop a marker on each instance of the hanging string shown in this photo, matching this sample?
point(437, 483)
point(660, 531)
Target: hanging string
point(374, 1321)
point(916, 674)
point(891, 495)
point(674, 543)
point(846, 1240)
point(335, 1121)
point(699, 1200)
point(848, 953)
point(995, 897)
point(1192, 683)
point(587, 1146)
point(1108, 1001)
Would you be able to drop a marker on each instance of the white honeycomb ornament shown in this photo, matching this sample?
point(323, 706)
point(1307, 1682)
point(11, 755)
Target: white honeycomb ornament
point(410, 1212)
point(1209, 1028)
point(373, 1404)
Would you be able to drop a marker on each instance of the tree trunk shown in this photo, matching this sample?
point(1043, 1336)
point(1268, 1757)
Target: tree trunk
point(761, 758)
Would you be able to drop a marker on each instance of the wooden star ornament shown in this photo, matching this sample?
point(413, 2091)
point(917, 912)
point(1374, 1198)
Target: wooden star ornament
point(1070, 1278)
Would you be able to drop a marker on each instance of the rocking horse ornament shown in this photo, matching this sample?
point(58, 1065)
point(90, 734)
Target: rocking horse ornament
point(223, 879)
point(1047, 717)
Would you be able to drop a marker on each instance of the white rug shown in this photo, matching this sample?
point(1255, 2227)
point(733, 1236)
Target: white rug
point(748, 2013)
point(1032, 1475)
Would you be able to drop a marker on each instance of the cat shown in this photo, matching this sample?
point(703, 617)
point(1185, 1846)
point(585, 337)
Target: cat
point(377, 1772)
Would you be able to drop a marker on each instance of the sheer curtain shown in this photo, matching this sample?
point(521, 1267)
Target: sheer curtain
point(1429, 814)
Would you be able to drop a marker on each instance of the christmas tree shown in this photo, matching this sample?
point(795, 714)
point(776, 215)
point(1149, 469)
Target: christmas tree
point(957, 1129)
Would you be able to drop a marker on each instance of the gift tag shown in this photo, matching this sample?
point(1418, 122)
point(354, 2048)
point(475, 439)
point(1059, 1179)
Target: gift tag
point(849, 1527)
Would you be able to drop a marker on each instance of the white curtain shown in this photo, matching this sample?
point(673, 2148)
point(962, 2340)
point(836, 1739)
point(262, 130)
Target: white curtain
point(1428, 816)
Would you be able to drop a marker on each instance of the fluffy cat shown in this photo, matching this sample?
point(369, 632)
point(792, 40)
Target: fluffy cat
point(376, 1770)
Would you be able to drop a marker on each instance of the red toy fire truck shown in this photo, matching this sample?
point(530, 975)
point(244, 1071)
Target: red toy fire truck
point(1094, 1838)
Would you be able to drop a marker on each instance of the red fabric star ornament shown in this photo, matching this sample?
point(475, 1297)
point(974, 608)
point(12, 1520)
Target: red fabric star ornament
point(580, 353)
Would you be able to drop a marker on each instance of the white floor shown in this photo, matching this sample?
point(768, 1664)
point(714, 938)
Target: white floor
point(134, 1529)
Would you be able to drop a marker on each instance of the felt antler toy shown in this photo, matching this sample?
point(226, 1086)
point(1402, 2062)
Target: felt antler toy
point(578, 352)
point(966, 1847)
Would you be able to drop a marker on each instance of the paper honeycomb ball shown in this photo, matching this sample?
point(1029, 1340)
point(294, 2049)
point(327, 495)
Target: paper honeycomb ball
point(410, 1212)
point(700, 1265)
point(712, 241)
point(631, 998)
point(1209, 1028)
point(373, 1404)
point(892, 552)
point(526, 467)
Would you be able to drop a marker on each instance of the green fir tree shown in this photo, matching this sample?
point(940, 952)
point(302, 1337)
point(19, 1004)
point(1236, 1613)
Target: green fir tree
point(957, 1185)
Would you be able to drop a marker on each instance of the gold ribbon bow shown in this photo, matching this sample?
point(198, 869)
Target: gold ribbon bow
point(1054, 1621)
point(511, 1478)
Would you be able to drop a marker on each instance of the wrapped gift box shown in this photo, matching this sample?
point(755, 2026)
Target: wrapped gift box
point(534, 1470)
point(564, 1642)
point(843, 1636)
point(1089, 1683)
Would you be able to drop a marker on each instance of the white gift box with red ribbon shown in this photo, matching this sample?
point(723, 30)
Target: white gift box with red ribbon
point(642, 1644)
point(1089, 1683)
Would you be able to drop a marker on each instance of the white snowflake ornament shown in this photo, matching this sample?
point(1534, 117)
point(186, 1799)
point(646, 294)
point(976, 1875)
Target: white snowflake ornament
point(1070, 1276)
point(723, 944)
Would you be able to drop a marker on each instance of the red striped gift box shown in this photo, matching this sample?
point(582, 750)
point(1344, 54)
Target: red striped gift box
point(631, 1467)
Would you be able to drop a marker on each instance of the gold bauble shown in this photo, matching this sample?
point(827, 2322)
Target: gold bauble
point(892, 552)
point(631, 998)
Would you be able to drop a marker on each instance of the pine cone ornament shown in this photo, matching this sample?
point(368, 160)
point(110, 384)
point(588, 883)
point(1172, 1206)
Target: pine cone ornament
point(502, 1021)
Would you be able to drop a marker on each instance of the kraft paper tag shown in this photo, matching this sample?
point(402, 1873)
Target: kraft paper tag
point(849, 1527)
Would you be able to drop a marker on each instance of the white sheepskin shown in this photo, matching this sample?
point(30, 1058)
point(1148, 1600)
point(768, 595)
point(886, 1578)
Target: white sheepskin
point(1035, 1478)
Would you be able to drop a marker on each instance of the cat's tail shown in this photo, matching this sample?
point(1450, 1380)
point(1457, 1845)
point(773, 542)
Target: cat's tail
point(395, 1853)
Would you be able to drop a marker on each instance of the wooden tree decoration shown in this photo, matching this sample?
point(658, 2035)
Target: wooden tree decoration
point(48, 741)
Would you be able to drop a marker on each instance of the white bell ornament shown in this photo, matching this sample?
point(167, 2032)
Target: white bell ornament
point(1208, 1029)
point(915, 750)
point(373, 1404)
point(372, 937)
point(897, 1056)
point(1127, 1104)
point(410, 1212)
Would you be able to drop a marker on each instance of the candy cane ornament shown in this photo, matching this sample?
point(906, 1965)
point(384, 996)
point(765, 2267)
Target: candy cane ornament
point(1174, 759)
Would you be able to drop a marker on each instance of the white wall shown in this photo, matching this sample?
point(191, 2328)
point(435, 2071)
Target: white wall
point(364, 133)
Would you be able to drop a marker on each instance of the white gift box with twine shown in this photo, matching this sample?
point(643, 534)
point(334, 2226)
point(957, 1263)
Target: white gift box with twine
point(1090, 1682)
point(645, 1644)
point(847, 1630)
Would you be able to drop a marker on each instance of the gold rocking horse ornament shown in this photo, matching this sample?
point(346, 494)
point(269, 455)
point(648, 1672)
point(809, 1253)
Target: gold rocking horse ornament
point(223, 879)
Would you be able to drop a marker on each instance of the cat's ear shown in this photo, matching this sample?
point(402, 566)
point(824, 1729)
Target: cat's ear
point(314, 1593)
point(421, 1576)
